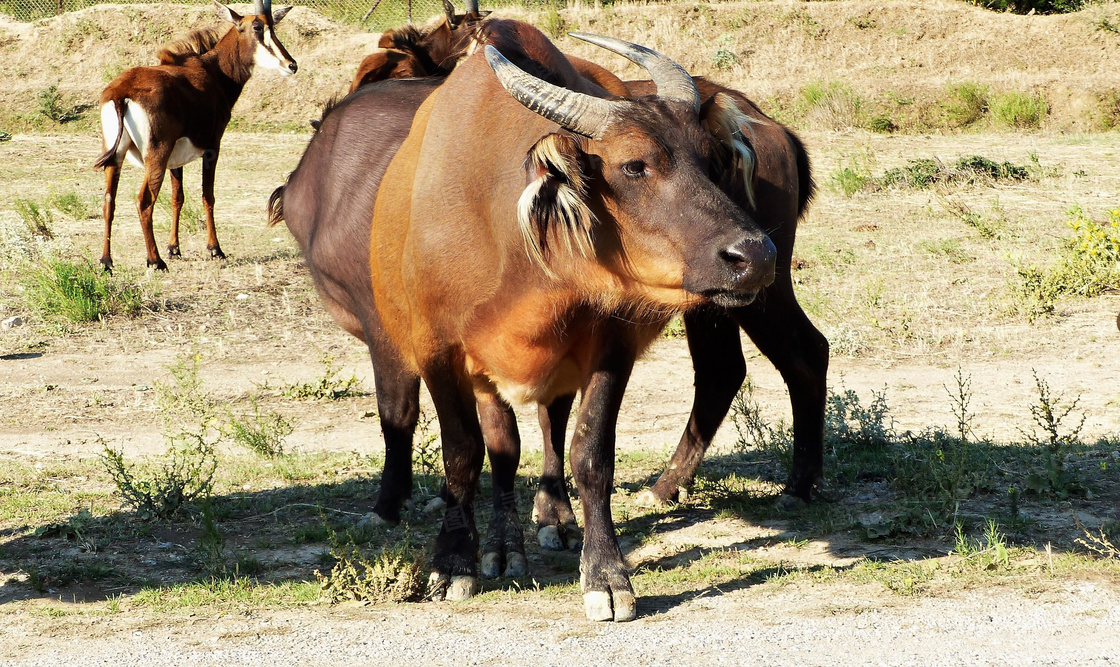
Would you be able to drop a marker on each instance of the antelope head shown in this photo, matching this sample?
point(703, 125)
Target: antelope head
point(259, 44)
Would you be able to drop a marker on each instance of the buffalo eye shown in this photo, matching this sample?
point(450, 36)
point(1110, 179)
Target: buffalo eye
point(634, 169)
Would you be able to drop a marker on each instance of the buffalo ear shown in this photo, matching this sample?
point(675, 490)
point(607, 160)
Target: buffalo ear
point(279, 14)
point(734, 165)
point(553, 212)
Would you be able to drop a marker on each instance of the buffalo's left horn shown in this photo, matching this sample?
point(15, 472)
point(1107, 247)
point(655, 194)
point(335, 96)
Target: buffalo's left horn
point(672, 81)
point(583, 114)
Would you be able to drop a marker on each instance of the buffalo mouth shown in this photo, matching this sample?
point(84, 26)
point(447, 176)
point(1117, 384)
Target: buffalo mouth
point(730, 298)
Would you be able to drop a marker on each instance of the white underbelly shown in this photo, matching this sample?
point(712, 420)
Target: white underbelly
point(184, 152)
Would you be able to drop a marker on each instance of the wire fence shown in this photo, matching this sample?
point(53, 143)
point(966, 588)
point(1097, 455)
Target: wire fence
point(372, 14)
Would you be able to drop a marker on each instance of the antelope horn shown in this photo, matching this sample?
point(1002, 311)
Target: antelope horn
point(449, 11)
point(583, 114)
point(471, 7)
point(672, 81)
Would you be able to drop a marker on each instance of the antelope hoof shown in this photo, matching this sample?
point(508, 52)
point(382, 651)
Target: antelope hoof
point(158, 265)
point(597, 605)
point(491, 565)
point(516, 565)
point(173, 251)
point(462, 587)
point(107, 263)
point(216, 252)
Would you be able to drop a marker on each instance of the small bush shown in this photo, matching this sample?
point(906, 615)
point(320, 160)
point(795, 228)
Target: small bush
point(329, 387)
point(1109, 109)
point(919, 174)
point(725, 57)
point(52, 106)
point(38, 221)
point(831, 105)
point(183, 398)
point(1048, 413)
point(161, 493)
point(849, 181)
point(882, 124)
point(553, 24)
point(1028, 6)
point(967, 103)
point(82, 292)
point(1020, 110)
point(924, 173)
point(262, 433)
point(394, 575)
point(71, 204)
point(753, 431)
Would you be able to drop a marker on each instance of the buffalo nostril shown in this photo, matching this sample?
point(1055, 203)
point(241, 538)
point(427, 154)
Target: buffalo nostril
point(733, 255)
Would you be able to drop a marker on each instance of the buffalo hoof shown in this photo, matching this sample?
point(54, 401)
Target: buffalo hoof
point(457, 587)
point(369, 523)
point(560, 538)
point(491, 565)
point(620, 606)
point(788, 503)
point(216, 252)
point(437, 504)
point(516, 566)
point(650, 498)
point(173, 251)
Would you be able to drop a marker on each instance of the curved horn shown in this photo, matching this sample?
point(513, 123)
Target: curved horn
point(471, 7)
point(577, 112)
point(672, 81)
point(449, 11)
point(258, 6)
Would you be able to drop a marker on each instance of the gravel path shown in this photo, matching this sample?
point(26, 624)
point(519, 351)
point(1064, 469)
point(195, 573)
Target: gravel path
point(805, 624)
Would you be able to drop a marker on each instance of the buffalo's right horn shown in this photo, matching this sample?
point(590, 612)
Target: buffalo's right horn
point(672, 81)
point(583, 114)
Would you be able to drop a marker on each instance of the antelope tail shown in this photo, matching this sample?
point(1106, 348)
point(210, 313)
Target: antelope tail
point(276, 207)
point(109, 156)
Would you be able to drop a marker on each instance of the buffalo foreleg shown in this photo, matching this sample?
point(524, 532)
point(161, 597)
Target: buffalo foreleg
point(505, 542)
point(717, 362)
point(783, 333)
point(604, 577)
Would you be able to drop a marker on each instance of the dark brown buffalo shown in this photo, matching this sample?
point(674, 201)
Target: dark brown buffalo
point(166, 116)
point(430, 50)
point(531, 287)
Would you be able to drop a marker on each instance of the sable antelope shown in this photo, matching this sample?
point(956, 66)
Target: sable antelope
point(166, 116)
point(329, 199)
point(431, 50)
point(538, 254)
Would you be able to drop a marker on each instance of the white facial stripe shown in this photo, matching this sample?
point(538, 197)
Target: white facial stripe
point(267, 54)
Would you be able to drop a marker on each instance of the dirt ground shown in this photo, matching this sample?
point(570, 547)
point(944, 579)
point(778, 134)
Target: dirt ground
point(903, 316)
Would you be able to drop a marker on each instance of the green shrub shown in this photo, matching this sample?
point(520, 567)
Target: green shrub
point(1028, 6)
point(39, 221)
point(82, 291)
point(52, 106)
point(394, 575)
point(923, 173)
point(160, 493)
point(849, 181)
point(1020, 110)
point(725, 57)
point(831, 105)
point(71, 204)
point(329, 387)
point(967, 103)
point(260, 432)
point(882, 124)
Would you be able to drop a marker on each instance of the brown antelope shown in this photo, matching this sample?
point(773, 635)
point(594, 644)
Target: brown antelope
point(166, 116)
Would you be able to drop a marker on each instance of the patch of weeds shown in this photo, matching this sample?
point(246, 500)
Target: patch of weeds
point(51, 104)
point(674, 329)
point(184, 398)
point(961, 397)
point(39, 221)
point(882, 124)
point(918, 174)
point(863, 22)
point(396, 574)
point(806, 22)
point(967, 103)
point(73, 205)
point(160, 493)
point(1099, 543)
point(724, 56)
point(849, 180)
point(989, 228)
point(1108, 106)
point(42, 579)
point(950, 249)
point(1020, 110)
point(210, 554)
point(263, 433)
point(832, 105)
point(989, 552)
point(328, 387)
point(552, 23)
point(924, 173)
point(82, 291)
point(427, 454)
point(753, 433)
point(1048, 413)
point(191, 216)
point(1088, 266)
point(1031, 6)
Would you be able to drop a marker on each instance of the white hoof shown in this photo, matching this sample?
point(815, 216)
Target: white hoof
point(516, 565)
point(462, 587)
point(437, 586)
point(549, 538)
point(646, 499)
point(788, 503)
point(491, 564)
point(434, 505)
point(597, 606)
point(625, 607)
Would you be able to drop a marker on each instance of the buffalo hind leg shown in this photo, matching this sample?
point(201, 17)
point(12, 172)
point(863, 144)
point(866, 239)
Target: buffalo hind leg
point(505, 541)
point(177, 200)
point(209, 164)
point(552, 508)
point(783, 333)
point(398, 410)
point(454, 562)
point(717, 361)
point(109, 209)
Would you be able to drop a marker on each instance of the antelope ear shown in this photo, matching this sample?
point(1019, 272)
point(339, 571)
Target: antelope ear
point(553, 207)
point(279, 14)
point(225, 13)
